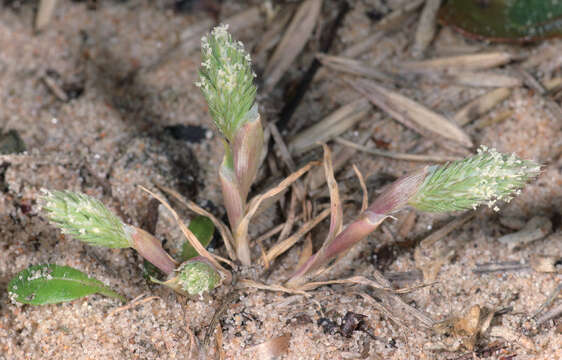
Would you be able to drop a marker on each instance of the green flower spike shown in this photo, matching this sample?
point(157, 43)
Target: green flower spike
point(88, 220)
point(484, 178)
point(84, 218)
point(193, 277)
point(226, 80)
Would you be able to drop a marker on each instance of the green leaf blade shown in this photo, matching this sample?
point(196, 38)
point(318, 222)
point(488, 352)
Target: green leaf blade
point(51, 284)
point(203, 228)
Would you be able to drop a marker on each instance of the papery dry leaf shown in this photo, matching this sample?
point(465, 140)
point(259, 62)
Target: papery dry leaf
point(411, 113)
point(272, 348)
point(293, 42)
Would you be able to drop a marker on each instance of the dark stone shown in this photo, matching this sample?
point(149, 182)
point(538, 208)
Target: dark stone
point(11, 143)
point(190, 133)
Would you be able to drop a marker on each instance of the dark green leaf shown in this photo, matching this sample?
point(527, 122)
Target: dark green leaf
point(150, 271)
point(51, 284)
point(203, 228)
point(505, 20)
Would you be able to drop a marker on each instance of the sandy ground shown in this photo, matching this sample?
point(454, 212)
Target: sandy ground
point(118, 132)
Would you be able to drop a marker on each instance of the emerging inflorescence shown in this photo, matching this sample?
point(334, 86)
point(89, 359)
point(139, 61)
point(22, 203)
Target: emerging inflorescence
point(484, 178)
point(226, 80)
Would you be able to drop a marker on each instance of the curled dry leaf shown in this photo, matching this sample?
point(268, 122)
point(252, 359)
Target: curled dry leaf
point(44, 13)
point(426, 27)
point(293, 42)
point(272, 348)
point(461, 62)
point(411, 113)
point(481, 105)
point(331, 126)
point(513, 337)
point(468, 327)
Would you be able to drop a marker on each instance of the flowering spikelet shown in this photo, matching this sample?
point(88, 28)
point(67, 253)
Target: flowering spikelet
point(197, 276)
point(226, 80)
point(484, 178)
point(85, 218)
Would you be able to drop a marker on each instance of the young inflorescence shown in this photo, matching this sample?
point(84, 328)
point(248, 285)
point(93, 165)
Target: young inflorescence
point(85, 218)
point(226, 80)
point(484, 178)
point(196, 277)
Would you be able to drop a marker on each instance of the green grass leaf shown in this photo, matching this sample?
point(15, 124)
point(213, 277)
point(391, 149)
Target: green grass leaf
point(51, 284)
point(203, 228)
point(505, 20)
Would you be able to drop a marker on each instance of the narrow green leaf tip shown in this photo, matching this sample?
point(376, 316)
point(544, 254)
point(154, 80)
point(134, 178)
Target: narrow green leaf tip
point(51, 284)
point(226, 80)
point(485, 178)
point(84, 218)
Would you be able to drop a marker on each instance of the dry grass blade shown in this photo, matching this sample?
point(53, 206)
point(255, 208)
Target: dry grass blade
point(551, 314)
point(482, 79)
point(218, 339)
point(491, 120)
point(365, 201)
point(553, 84)
point(396, 18)
point(513, 337)
point(383, 309)
point(286, 244)
point(341, 159)
point(273, 35)
point(255, 203)
point(293, 42)
point(306, 251)
point(397, 310)
point(288, 226)
point(54, 87)
point(136, 301)
point(398, 156)
point(363, 45)
point(225, 304)
point(44, 13)
point(223, 229)
point(189, 235)
point(499, 266)
point(481, 105)
point(256, 285)
point(354, 67)
point(332, 125)
point(270, 233)
point(336, 218)
point(272, 348)
point(286, 157)
point(360, 280)
point(426, 27)
point(407, 111)
point(465, 62)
